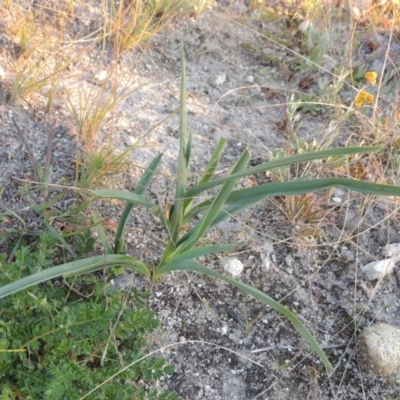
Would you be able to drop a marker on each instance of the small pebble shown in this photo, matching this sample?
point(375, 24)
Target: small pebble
point(233, 266)
point(220, 79)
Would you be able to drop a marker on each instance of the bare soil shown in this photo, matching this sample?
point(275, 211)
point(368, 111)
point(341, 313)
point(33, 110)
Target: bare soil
point(229, 346)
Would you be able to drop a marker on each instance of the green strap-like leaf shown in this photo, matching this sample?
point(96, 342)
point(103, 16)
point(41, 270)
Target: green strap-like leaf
point(259, 295)
point(102, 235)
point(215, 207)
point(317, 155)
point(75, 268)
point(183, 159)
point(258, 193)
point(242, 199)
point(202, 251)
point(139, 189)
point(209, 171)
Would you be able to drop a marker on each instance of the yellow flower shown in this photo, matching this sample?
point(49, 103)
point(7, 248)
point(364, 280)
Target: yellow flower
point(363, 98)
point(371, 77)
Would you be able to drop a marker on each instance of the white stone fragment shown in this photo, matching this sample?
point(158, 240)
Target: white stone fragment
point(289, 261)
point(266, 255)
point(130, 140)
point(249, 79)
point(101, 76)
point(378, 269)
point(220, 79)
point(338, 192)
point(305, 26)
point(379, 349)
point(233, 266)
point(392, 250)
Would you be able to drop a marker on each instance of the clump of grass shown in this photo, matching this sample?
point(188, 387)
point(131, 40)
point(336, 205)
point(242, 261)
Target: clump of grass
point(41, 174)
point(127, 24)
point(92, 168)
point(90, 105)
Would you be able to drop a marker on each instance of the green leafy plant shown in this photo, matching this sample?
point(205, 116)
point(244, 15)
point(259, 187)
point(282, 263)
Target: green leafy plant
point(182, 247)
point(60, 340)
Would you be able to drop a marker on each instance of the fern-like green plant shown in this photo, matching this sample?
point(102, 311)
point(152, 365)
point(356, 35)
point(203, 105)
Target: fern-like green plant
point(59, 342)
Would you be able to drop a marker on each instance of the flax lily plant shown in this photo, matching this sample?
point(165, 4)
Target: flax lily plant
point(182, 248)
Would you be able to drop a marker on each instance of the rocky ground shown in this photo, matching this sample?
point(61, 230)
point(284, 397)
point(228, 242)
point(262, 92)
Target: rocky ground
point(241, 84)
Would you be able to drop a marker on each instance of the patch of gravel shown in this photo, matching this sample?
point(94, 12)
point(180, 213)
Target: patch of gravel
point(228, 346)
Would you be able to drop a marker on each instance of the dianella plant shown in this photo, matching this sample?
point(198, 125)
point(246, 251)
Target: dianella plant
point(183, 247)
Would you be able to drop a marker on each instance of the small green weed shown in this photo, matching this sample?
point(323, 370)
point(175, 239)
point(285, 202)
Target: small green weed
point(182, 246)
point(61, 340)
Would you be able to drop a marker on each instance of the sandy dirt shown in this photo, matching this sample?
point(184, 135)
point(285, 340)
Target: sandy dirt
point(240, 86)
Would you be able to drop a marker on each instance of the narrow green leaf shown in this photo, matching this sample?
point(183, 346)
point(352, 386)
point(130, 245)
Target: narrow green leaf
point(183, 161)
point(242, 199)
point(133, 198)
point(55, 233)
point(75, 268)
point(208, 173)
point(188, 151)
point(139, 189)
point(204, 250)
point(258, 193)
point(216, 205)
point(123, 195)
point(259, 295)
point(317, 155)
point(102, 235)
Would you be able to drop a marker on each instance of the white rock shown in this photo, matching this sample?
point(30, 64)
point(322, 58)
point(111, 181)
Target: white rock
point(266, 255)
point(130, 140)
point(289, 260)
point(305, 26)
point(392, 250)
point(338, 192)
point(379, 349)
point(220, 79)
point(249, 79)
point(233, 266)
point(378, 269)
point(101, 76)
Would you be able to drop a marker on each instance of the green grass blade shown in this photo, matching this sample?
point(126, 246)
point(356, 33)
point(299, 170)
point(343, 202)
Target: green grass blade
point(283, 162)
point(199, 208)
point(133, 198)
point(259, 295)
point(188, 149)
point(75, 268)
point(258, 193)
point(202, 251)
point(216, 205)
point(123, 195)
point(139, 189)
point(102, 235)
point(242, 199)
point(57, 235)
point(209, 171)
point(183, 161)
